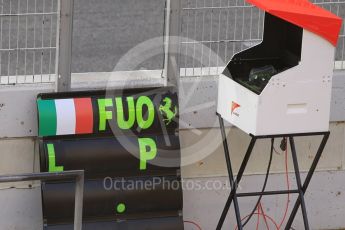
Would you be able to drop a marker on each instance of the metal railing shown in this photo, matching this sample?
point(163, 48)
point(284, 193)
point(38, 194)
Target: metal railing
point(28, 41)
point(227, 26)
point(78, 176)
point(35, 37)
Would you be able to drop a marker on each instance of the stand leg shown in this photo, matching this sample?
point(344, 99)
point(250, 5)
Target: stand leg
point(231, 175)
point(238, 178)
point(307, 180)
point(299, 183)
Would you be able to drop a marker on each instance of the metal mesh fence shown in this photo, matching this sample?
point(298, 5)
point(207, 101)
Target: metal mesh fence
point(28, 30)
point(226, 27)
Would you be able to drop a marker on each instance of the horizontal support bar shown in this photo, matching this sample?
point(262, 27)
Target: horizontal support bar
point(203, 8)
point(291, 135)
point(42, 176)
point(218, 7)
point(29, 14)
point(222, 41)
point(27, 49)
point(267, 193)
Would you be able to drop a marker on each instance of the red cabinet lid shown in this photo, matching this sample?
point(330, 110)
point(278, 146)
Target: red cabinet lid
point(304, 14)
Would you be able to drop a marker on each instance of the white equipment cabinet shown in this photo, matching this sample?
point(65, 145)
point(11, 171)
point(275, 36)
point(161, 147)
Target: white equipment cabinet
point(283, 85)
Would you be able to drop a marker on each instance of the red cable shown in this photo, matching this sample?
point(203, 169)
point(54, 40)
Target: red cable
point(271, 219)
point(287, 202)
point(258, 219)
point(288, 187)
point(193, 223)
point(264, 215)
point(262, 210)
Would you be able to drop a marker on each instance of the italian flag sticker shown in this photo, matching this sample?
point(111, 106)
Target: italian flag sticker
point(65, 116)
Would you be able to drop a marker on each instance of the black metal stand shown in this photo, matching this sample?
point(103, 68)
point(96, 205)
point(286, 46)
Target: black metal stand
point(301, 188)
